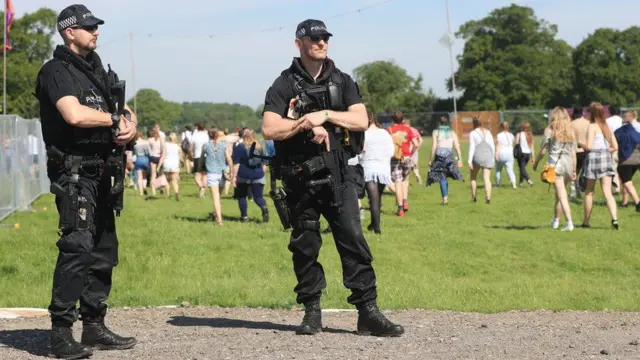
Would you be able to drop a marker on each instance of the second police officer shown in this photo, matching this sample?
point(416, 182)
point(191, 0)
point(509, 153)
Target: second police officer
point(79, 121)
point(312, 112)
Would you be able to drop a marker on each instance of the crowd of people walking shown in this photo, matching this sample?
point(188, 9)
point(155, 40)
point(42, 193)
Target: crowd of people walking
point(581, 150)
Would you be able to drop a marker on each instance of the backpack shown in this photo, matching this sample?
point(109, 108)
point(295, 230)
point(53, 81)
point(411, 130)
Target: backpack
point(483, 155)
point(253, 162)
point(397, 150)
point(186, 145)
point(398, 140)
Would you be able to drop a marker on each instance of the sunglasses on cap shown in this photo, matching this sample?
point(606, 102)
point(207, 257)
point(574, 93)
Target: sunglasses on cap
point(91, 28)
point(316, 38)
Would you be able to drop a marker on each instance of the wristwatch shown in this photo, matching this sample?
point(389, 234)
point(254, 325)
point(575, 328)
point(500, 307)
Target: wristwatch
point(115, 118)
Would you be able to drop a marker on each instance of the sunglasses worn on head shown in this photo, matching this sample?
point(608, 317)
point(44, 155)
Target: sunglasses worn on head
point(91, 28)
point(316, 38)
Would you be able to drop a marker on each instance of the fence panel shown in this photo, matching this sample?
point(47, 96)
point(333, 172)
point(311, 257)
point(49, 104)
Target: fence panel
point(23, 173)
point(539, 119)
point(426, 122)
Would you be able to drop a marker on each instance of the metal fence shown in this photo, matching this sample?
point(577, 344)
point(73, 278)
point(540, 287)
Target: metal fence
point(538, 119)
point(426, 122)
point(23, 173)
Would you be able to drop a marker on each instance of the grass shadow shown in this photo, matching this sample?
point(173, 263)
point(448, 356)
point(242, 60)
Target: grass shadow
point(517, 227)
point(226, 323)
point(192, 219)
point(237, 219)
point(33, 341)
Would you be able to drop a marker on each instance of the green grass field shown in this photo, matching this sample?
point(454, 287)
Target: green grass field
point(466, 257)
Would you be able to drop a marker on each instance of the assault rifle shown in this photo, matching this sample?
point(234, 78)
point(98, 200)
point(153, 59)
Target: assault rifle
point(116, 160)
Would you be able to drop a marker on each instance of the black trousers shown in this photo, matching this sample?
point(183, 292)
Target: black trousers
point(305, 243)
point(522, 164)
point(87, 254)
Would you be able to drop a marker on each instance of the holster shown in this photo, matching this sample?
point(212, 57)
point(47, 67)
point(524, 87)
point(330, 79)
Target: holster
point(75, 209)
point(280, 202)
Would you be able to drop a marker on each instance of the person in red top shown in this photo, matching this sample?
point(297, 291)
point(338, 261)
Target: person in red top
point(401, 163)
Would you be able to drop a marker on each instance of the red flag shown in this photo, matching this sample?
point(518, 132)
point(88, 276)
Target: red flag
point(9, 13)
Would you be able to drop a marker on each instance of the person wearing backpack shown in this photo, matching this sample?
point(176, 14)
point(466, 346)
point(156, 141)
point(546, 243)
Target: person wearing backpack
point(401, 163)
point(248, 173)
point(187, 156)
point(525, 140)
point(628, 138)
point(482, 151)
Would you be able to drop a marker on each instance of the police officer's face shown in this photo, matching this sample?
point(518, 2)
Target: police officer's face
point(84, 37)
point(314, 47)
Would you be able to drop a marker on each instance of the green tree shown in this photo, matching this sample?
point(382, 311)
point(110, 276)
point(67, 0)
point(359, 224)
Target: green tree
point(222, 115)
point(386, 87)
point(152, 109)
point(607, 67)
point(32, 40)
point(512, 60)
point(259, 110)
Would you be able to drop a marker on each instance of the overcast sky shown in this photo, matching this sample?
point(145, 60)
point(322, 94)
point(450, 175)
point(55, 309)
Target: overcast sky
point(174, 54)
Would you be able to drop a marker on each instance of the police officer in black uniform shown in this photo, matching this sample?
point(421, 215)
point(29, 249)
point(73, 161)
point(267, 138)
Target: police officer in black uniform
point(79, 120)
point(313, 112)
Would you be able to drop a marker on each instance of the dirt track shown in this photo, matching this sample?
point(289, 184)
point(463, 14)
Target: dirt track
point(215, 333)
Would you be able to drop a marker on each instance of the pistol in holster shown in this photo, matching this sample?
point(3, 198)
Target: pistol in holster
point(75, 209)
point(279, 198)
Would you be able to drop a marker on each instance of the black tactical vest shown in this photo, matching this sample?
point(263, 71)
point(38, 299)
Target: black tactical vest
point(56, 131)
point(316, 97)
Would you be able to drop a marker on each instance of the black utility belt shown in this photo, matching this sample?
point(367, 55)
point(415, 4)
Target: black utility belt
point(309, 167)
point(81, 161)
point(89, 165)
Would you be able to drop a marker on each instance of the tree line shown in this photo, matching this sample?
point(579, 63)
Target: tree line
point(511, 60)
point(152, 108)
point(514, 60)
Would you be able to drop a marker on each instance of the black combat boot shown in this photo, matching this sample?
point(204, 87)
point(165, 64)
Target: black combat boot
point(265, 214)
point(63, 346)
point(312, 321)
point(95, 333)
point(371, 321)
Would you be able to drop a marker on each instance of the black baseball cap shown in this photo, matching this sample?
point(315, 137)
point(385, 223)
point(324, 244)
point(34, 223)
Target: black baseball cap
point(77, 14)
point(311, 27)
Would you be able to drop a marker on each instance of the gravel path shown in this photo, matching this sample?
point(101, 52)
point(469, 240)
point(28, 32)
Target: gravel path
point(218, 333)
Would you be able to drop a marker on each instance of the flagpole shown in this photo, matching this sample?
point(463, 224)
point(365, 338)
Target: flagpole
point(4, 63)
point(453, 75)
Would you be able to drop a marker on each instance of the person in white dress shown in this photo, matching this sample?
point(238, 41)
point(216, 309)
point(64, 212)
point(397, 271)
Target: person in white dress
point(171, 165)
point(375, 160)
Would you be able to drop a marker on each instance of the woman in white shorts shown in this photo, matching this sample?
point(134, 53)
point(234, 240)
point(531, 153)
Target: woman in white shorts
point(171, 165)
point(560, 142)
point(217, 158)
